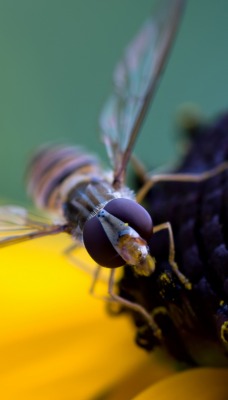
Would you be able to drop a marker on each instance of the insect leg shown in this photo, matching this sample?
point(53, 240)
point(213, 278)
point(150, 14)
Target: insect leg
point(133, 306)
point(74, 260)
point(203, 176)
point(138, 167)
point(94, 281)
point(14, 239)
point(79, 263)
point(113, 297)
point(181, 277)
point(96, 277)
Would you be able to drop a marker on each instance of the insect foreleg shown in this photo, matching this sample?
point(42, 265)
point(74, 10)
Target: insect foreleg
point(94, 281)
point(113, 297)
point(76, 261)
point(68, 252)
point(133, 306)
point(96, 278)
point(185, 178)
point(174, 266)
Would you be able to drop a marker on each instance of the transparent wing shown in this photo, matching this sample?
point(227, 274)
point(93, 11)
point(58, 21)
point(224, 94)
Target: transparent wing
point(135, 80)
point(18, 225)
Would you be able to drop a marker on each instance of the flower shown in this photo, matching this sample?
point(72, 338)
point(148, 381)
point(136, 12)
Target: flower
point(194, 322)
point(57, 342)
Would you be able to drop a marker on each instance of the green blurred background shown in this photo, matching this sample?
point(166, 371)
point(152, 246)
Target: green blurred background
point(57, 59)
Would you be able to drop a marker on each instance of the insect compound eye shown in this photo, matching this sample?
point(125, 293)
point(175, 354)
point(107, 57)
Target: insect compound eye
point(132, 213)
point(96, 241)
point(99, 246)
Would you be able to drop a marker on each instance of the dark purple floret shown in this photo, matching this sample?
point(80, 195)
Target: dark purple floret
point(194, 322)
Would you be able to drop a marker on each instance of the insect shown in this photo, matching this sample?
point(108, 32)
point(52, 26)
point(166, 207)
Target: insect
point(93, 206)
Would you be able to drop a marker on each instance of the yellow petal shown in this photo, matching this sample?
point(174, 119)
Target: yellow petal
point(200, 384)
point(56, 341)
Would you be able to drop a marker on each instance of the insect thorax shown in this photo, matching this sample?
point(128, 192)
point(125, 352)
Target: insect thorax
point(86, 199)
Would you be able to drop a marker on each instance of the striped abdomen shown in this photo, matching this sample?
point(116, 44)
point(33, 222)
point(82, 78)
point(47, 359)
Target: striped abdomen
point(55, 171)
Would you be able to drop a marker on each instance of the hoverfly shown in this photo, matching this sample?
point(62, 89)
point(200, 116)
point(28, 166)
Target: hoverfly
point(95, 207)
